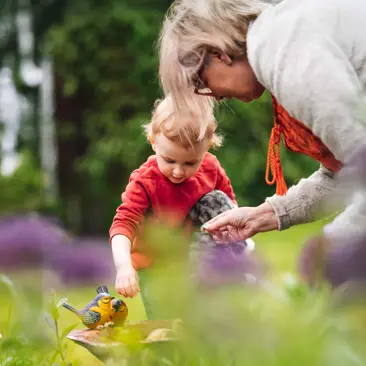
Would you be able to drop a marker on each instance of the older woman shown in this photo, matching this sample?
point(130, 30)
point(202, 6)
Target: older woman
point(311, 56)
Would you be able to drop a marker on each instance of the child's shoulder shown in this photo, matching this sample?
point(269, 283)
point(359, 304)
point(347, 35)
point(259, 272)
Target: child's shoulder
point(210, 161)
point(147, 170)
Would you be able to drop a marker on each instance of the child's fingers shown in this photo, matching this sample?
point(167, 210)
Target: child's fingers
point(123, 286)
point(134, 287)
point(131, 287)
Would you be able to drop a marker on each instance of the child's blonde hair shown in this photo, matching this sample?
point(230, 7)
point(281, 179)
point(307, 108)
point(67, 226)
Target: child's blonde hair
point(187, 131)
point(192, 28)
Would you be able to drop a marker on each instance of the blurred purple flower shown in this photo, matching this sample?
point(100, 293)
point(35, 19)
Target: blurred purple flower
point(26, 240)
point(83, 264)
point(33, 241)
point(217, 264)
point(338, 262)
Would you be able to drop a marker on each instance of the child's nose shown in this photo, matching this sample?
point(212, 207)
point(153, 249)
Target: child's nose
point(178, 172)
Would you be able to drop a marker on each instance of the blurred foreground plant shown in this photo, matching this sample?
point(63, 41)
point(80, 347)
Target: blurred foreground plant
point(24, 338)
point(258, 323)
point(261, 323)
point(52, 317)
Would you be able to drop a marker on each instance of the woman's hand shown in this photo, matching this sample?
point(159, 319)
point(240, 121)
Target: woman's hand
point(242, 223)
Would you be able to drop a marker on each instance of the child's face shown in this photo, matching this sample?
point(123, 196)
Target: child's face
point(176, 162)
point(230, 78)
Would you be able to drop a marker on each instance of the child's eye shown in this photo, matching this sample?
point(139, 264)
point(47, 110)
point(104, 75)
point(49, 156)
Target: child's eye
point(191, 163)
point(169, 161)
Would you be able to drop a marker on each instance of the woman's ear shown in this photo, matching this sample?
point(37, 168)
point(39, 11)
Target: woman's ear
point(224, 57)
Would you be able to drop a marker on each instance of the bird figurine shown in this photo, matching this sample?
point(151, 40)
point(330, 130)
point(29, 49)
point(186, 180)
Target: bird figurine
point(214, 264)
point(97, 313)
point(119, 310)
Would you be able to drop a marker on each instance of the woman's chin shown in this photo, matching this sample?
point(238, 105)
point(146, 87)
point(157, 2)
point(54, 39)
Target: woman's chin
point(249, 98)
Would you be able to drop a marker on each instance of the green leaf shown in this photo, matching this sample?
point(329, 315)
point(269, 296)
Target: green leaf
point(52, 308)
point(67, 330)
point(9, 284)
point(50, 321)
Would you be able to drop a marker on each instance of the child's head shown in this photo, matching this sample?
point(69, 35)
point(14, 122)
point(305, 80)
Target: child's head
point(203, 48)
point(180, 145)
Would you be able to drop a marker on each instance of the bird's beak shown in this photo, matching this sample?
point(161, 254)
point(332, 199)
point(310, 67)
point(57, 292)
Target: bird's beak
point(112, 298)
point(117, 304)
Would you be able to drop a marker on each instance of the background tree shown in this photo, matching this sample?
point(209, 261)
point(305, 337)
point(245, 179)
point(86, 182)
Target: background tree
point(106, 82)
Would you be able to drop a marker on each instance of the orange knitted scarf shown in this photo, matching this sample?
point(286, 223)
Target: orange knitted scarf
point(297, 138)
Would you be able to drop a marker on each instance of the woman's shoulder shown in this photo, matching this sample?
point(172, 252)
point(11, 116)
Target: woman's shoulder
point(279, 26)
point(284, 35)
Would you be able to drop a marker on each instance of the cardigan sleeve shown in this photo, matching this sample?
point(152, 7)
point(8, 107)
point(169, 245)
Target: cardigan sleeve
point(304, 201)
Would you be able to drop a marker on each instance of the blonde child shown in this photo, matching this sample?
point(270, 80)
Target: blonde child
point(168, 184)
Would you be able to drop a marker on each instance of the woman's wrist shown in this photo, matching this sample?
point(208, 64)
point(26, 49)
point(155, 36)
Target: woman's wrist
point(265, 207)
point(267, 217)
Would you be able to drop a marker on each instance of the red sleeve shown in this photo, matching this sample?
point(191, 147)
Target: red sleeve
point(223, 183)
point(130, 214)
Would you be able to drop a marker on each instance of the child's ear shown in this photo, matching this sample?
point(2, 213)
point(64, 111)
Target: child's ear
point(209, 145)
point(152, 142)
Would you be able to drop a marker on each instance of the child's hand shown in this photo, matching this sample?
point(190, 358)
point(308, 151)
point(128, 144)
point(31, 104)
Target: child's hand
point(127, 281)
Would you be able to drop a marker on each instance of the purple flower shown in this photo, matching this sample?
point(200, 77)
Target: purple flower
point(33, 241)
point(83, 264)
point(216, 264)
point(26, 240)
point(336, 262)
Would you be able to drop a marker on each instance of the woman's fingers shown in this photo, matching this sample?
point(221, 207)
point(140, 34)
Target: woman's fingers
point(217, 222)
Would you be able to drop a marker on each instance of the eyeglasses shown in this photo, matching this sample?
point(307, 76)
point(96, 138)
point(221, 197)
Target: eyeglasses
point(201, 89)
point(205, 92)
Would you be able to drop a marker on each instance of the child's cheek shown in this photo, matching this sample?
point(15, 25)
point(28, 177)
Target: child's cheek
point(164, 169)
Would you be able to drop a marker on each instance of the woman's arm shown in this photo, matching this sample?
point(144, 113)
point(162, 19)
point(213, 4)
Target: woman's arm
point(312, 70)
point(304, 201)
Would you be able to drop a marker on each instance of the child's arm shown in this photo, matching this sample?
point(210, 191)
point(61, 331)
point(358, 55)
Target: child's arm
point(126, 278)
point(129, 216)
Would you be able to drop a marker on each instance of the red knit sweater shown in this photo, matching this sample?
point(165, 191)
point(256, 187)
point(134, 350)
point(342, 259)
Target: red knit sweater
point(149, 189)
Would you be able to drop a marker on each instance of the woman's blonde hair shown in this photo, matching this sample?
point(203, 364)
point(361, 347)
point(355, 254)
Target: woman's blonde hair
point(181, 128)
point(191, 29)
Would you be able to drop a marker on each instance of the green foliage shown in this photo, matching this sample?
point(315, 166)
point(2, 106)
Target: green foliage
point(274, 323)
point(106, 68)
point(22, 191)
point(52, 318)
point(267, 324)
point(105, 54)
